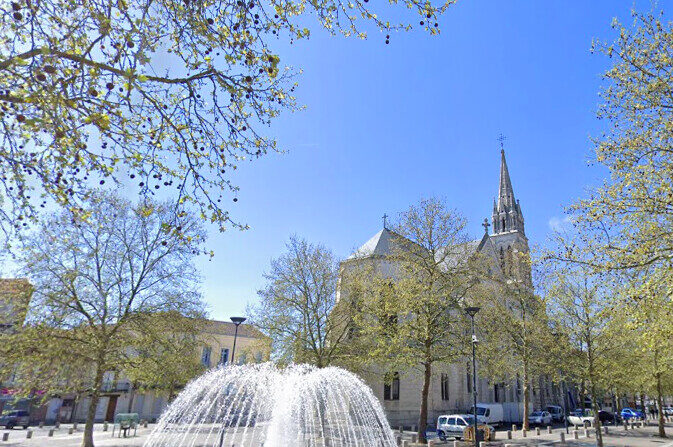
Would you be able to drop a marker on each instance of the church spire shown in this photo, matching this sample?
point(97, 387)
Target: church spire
point(505, 192)
point(507, 214)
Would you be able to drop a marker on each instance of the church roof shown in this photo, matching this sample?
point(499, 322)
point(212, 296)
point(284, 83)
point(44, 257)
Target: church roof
point(383, 242)
point(378, 245)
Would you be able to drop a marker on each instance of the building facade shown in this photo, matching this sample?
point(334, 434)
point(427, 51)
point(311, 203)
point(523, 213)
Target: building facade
point(506, 246)
point(120, 396)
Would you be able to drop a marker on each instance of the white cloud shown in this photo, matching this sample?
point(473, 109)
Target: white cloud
point(560, 223)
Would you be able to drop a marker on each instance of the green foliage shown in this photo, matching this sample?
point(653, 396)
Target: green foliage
point(408, 307)
point(297, 308)
point(167, 93)
point(165, 352)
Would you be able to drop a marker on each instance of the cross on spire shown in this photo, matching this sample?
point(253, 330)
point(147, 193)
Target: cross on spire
point(486, 225)
point(385, 221)
point(502, 139)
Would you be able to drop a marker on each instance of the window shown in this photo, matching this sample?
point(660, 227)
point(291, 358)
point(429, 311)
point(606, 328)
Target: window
point(391, 387)
point(468, 376)
point(445, 386)
point(442, 421)
point(452, 421)
point(224, 356)
point(205, 356)
point(460, 421)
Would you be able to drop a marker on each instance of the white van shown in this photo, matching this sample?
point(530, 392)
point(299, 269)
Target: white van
point(556, 412)
point(491, 414)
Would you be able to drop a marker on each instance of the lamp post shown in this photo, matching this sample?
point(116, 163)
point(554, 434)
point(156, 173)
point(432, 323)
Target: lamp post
point(237, 321)
point(472, 311)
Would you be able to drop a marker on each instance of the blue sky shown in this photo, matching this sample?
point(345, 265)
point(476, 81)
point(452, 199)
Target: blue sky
point(386, 125)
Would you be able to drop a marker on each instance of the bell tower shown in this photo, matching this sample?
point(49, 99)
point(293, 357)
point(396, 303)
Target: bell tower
point(509, 237)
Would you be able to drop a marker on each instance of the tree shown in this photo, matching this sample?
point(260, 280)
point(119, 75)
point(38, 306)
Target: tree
point(297, 307)
point(644, 323)
point(626, 223)
point(409, 307)
point(165, 357)
point(169, 93)
point(517, 337)
point(95, 282)
point(580, 307)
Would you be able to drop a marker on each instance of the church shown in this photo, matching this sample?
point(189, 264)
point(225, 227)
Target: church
point(451, 386)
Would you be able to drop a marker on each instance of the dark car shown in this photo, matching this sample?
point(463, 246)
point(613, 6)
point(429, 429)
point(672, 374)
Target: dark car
point(11, 418)
point(607, 417)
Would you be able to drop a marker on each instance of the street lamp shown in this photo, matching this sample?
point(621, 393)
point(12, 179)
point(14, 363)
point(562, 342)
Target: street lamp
point(237, 321)
point(472, 311)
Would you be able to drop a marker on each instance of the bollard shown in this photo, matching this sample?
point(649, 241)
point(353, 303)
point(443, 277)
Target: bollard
point(509, 434)
point(105, 426)
point(29, 434)
point(401, 428)
point(523, 432)
point(576, 434)
point(562, 438)
point(70, 431)
point(51, 433)
point(5, 436)
point(537, 431)
point(41, 424)
point(145, 424)
point(586, 432)
point(549, 429)
point(74, 426)
point(626, 425)
point(57, 425)
point(513, 427)
point(633, 425)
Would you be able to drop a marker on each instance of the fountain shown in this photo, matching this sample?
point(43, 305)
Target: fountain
point(262, 405)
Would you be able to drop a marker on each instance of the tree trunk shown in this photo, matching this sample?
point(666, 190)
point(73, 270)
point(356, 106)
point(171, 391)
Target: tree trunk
point(597, 420)
point(660, 407)
point(87, 439)
point(423, 415)
point(526, 397)
point(132, 395)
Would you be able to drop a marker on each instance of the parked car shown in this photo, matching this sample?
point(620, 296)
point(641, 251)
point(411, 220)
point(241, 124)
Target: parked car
point(11, 418)
point(629, 413)
point(581, 417)
point(491, 414)
point(454, 425)
point(608, 417)
point(556, 412)
point(668, 410)
point(540, 418)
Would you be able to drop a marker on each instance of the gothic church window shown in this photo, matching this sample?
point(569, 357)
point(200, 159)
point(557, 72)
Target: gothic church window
point(391, 386)
point(445, 386)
